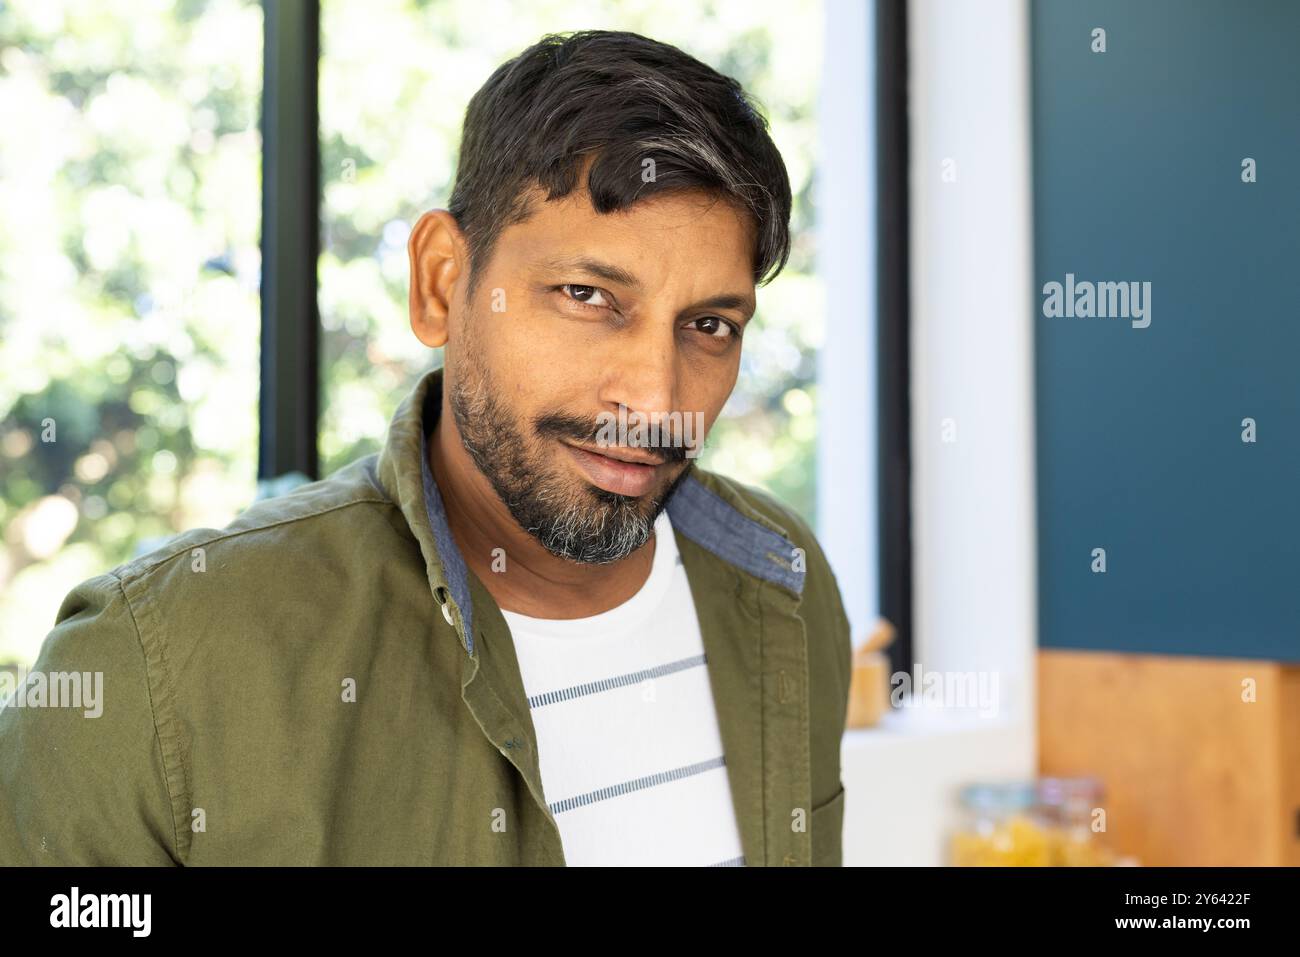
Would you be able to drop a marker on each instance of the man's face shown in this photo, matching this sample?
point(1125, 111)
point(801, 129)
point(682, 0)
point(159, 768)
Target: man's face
point(578, 314)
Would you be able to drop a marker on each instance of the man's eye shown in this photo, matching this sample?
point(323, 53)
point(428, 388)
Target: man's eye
point(587, 295)
point(715, 327)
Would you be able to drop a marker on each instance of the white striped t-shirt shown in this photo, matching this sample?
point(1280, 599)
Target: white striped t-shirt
point(631, 756)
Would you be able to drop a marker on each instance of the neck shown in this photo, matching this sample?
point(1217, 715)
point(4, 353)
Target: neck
point(523, 576)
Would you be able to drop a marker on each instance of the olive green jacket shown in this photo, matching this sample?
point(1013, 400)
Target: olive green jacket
point(323, 682)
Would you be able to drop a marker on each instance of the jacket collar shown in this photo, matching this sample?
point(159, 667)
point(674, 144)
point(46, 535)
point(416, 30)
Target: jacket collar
point(703, 509)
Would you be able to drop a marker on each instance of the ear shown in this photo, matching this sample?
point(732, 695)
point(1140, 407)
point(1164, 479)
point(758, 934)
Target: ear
point(437, 251)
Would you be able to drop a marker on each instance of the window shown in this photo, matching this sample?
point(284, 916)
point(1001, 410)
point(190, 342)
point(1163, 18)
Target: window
point(129, 161)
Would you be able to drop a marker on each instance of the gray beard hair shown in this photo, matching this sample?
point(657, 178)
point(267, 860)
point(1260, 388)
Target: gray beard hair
point(594, 536)
point(593, 526)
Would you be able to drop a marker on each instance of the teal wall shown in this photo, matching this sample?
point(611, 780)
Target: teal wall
point(1138, 177)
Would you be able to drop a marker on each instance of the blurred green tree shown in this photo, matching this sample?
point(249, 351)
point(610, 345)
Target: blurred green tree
point(129, 219)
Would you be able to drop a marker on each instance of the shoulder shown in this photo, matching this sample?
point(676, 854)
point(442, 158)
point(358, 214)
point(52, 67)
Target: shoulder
point(317, 517)
point(317, 559)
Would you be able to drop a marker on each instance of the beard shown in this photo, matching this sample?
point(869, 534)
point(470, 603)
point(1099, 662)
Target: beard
point(570, 518)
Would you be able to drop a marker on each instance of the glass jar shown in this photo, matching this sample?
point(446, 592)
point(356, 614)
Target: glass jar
point(1002, 825)
point(1069, 805)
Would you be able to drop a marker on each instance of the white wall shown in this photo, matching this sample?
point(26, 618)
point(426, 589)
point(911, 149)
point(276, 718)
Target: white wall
point(974, 576)
point(846, 451)
point(972, 341)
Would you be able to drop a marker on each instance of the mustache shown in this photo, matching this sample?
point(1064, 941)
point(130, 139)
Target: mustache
point(561, 425)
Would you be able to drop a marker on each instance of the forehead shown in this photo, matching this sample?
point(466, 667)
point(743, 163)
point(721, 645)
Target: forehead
point(668, 235)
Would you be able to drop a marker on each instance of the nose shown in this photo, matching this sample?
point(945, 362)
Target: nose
point(641, 372)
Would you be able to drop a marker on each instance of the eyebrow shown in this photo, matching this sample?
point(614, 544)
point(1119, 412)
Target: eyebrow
point(606, 271)
point(617, 274)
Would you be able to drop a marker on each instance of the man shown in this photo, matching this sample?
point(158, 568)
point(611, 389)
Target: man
point(520, 634)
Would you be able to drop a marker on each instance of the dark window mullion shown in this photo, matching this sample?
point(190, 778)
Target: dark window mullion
point(289, 404)
point(894, 449)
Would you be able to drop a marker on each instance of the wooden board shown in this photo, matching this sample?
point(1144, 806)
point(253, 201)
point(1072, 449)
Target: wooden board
point(1194, 774)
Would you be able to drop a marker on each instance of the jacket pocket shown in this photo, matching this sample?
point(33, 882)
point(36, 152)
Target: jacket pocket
point(827, 821)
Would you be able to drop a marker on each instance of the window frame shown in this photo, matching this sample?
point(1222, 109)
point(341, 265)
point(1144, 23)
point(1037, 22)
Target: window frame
point(289, 398)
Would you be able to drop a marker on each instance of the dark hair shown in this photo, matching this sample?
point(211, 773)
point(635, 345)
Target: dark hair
point(618, 98)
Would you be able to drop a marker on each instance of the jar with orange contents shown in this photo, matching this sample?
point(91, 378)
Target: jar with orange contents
point(1002, 825)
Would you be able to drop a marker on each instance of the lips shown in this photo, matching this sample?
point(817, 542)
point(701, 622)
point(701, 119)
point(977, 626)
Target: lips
point(621, 471)
point(620, 454)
